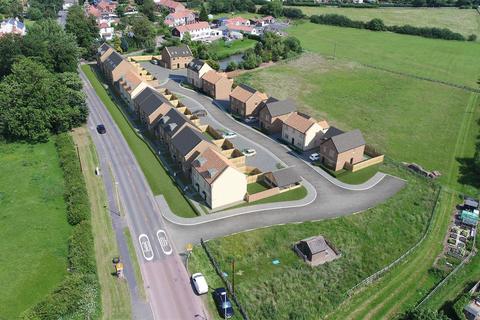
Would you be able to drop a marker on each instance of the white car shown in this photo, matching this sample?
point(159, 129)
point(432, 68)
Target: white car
point(228, 135)
point(200, 283)
point(314, 157)
point(250, 119)
point(249, 152)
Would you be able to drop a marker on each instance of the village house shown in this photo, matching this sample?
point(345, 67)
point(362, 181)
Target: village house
point(169, 124)
point(198, 31)
point(103, 52)
point(152, 108)
point(180, 18)
point(195, 71)
point(213, 174)
point(302, 131)
point(106, 30)
point(244, 100)
point(176, 57)
point(264, 21)
point(114, 66)
point(242, 29)
point(342, 147)
point(273, 113)
point(237, 21)
point(170, 5)
point(216, 85)
point(12, 25)
point(129, 85)
point(187, 144)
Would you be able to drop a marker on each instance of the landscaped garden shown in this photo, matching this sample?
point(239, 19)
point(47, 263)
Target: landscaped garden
point(33, 255)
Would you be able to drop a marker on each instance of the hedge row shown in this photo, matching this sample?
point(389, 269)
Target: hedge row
point(378, 25)
point(78, 296)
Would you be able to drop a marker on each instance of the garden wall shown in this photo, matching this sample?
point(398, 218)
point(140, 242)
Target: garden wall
point(262, 195)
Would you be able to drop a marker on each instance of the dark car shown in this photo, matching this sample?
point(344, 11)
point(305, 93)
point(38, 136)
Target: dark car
point(224, 305)
point(101, 129)
point(200, 113)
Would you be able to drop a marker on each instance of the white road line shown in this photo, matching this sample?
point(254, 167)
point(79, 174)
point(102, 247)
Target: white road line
point(162, 239)
point(146, 247)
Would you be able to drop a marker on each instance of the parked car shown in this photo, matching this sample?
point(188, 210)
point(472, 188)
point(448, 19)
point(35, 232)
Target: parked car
point(200, 283)
point(154, 61)
point(224, 305)
point(200, 113)
point(101, 129)
point(314, 157)
point(228, 134)
point(249, 152)
point(250, 119)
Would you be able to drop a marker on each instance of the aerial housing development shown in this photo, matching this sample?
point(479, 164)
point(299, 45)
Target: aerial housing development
point(227, 159)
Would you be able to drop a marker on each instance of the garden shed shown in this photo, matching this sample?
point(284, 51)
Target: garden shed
point(315, 250)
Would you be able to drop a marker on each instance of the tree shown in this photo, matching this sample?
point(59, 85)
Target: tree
point(425, 314)
point(117, 44)
point(35, 102)
point(292, 44)
point(143, 31)
point(48, 43)
point(213, 64)
point(11, 8)
point(10, 49)
point(124, 44)
point(376, 25)
point(187, 38)
point(84, 28)
point(472, 37)
point(293, 13)
point(419, 3)
point(34, 13)
point(148, 9)
point(273, 8)
point(203, 16)
point(232, 65)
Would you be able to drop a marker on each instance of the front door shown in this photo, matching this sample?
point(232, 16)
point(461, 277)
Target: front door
point(293, 141)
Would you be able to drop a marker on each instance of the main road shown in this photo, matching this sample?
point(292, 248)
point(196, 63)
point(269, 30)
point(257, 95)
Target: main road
point(165, 278)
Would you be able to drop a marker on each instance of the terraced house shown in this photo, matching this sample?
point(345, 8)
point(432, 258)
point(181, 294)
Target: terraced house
point(274, 112)
point(245, 101)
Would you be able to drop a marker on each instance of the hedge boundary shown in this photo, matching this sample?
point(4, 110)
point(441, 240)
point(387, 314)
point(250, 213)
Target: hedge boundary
point(78, 296)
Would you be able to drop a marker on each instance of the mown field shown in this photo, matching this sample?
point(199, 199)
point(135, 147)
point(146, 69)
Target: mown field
point(292, 290)
point(34, 228)
point(408, 119)
point(223, 50)
point(463, 21)
point(451, 61)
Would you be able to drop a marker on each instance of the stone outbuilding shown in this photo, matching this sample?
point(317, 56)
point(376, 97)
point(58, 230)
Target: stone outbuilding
point(315, 251)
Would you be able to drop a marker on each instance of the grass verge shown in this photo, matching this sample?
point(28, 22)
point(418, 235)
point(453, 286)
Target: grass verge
point(33, 254)
point(158, 179)
point(290, 195)
point(136, 266)
point(115, 295)
point(367, 242)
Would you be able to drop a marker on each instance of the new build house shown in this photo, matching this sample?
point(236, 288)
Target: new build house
point(217, 180)
point(170, 124)
point(195, 71)
point(176, 57)
point(152, 108)
point(245, 101)
point(130, 85)
point(216, 85)
point(303, 131)
point(274, 112)
point(187, 145)
point(339, 148)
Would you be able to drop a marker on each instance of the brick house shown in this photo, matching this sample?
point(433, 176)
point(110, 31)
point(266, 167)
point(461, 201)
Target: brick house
point(273, 113)
point(302, 131)
point(152, 108)
point(195, 71)
point(176, 57)
point(244, 100)
point(213, 174)
point(130, 85)
point(216, 85)
point(169, 124)
point(103, 52)
point(339, 148)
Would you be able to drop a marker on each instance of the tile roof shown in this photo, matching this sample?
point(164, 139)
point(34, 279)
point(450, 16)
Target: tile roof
point(316, 244)
point(278, 108)
point(193, 26)
point(242, 92)
point(196, 65)
point(103, 48)
point(348, 140)
point(180, 51)
point(187, 139)
point(300, 122)
point(243, 28)
point(132, 80)
point(210, 164)
point(151, 103)
point(332, 131)
point(143, 95)
point(285, 177)
point(113, 61)
point(172, 121)
point(213, 76)
point(179, 14)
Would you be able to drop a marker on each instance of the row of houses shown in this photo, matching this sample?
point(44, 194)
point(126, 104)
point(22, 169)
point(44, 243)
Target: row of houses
point(336, 148)
point(216, 169)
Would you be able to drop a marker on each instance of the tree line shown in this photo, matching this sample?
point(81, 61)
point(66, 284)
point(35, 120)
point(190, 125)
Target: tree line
point(378, 25)
point(390, 3)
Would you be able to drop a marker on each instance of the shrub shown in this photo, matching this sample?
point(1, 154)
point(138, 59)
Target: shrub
point(376, 25)
point(293, 13)
point(231, 66)
point(81, 256)
point(472, 37)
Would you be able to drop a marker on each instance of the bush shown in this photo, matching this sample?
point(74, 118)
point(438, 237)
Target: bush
point(81, 256)
point(231, 66)
point(376, 25)
point(472, 37)
point(293, 13)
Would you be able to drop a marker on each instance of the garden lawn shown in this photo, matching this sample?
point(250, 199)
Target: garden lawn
point(464, 21)
point(246, 15)
point(158, 179)
point(358, 177)
point(410, 120)
point(451, 61)
point(256, 187)
point(224, 50)
point(293, 290)
point(34, 228)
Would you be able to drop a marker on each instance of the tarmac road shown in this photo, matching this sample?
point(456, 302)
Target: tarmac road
point(165, 278)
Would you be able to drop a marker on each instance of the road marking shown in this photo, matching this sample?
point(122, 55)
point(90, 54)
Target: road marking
point(162, 239)
point(146, 247)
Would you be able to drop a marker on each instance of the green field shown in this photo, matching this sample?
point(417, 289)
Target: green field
point(34, 228)
point(463, 21)
point(410, 120)
point(155, 173)
point(293, 290)
point(223, 50)
point(451, 61)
